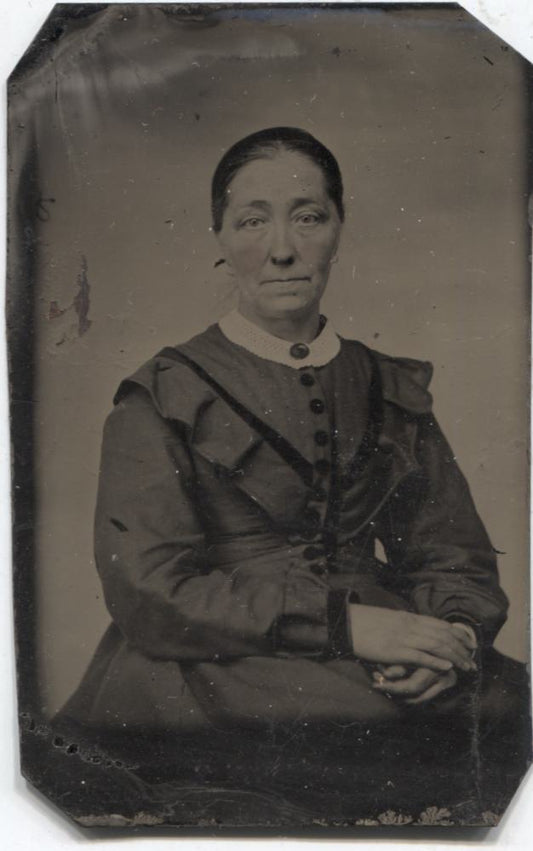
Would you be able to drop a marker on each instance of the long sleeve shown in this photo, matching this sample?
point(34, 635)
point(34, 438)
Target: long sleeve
point(436, 542)
point(152, 554)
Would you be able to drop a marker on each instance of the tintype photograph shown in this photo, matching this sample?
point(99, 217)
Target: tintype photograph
point(268, 323)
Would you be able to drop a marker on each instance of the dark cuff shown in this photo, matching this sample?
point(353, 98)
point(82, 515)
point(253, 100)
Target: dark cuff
point(339, 643)
point(461, 617)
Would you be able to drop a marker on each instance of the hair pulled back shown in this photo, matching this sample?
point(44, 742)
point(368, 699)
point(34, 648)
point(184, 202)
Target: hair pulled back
point(266, 144)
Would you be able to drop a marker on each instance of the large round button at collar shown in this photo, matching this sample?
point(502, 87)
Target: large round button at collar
point(319, 568)
point(299, 351)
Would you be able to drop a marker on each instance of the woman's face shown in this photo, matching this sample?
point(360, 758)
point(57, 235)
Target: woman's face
point(279, 234)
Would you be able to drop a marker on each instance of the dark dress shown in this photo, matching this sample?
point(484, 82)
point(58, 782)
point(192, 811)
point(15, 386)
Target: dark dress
point(227, 555)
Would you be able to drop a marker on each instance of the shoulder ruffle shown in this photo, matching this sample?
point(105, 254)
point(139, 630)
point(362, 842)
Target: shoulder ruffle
point(404, 381)
point(176, 393)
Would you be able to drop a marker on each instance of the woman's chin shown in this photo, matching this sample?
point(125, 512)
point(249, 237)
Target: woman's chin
point(289, 306)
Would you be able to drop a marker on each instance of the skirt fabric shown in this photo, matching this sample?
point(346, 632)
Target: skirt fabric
point(467, 749)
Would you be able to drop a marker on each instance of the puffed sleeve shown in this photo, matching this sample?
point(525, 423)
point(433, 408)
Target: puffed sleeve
point(436, 541)
point(151, 555)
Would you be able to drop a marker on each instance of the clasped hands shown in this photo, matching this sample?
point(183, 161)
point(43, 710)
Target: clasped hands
point(416, 656)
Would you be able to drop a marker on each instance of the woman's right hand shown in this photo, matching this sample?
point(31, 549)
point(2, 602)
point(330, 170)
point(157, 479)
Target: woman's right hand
point(397, 637)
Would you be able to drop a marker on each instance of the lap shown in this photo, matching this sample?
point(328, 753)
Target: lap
point(475, 738)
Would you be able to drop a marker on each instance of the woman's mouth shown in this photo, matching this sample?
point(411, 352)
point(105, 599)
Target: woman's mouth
point(291, 280)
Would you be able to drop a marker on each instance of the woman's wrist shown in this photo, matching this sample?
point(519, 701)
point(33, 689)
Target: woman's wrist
point(338, 620)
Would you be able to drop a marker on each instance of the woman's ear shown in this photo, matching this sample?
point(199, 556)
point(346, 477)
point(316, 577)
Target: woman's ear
point(227, 265)
point(222, 246)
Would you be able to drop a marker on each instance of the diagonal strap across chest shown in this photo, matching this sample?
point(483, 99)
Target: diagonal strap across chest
point(286, 450)
point(280, 444)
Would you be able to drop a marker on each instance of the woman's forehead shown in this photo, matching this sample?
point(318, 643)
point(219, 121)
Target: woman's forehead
point(284, 177)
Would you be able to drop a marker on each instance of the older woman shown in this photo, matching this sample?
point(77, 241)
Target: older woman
point(246, 477)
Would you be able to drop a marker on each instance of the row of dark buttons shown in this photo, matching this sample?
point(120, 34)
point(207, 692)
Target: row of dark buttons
point(312, 553)
point(312, 517)
point(322, 466)
point(319, 568)
point(316, 554)
point(311, 521)
point(317, 406)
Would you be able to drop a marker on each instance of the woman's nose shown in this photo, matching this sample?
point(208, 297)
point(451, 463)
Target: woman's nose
point(282, 248)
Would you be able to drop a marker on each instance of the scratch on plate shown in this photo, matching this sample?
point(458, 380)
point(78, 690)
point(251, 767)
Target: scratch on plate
point(82, 300)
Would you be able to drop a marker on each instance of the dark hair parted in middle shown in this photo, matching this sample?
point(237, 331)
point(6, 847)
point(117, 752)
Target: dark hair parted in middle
point(265, 144)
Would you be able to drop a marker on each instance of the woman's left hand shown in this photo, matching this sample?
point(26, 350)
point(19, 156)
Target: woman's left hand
point(418, 687)
point(422, 684)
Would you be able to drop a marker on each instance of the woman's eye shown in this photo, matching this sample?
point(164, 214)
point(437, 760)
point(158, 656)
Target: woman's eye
point(308, 219)
point(252, 223)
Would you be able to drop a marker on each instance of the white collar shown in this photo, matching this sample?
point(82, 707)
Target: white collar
point(244, 333)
